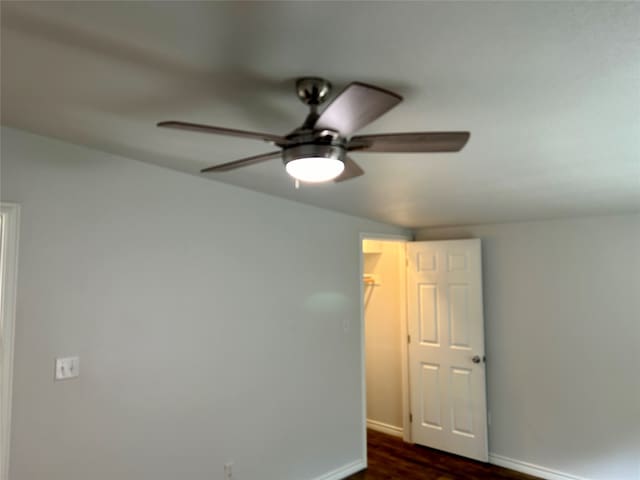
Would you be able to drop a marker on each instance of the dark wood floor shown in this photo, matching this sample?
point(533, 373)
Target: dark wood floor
point(390, 459)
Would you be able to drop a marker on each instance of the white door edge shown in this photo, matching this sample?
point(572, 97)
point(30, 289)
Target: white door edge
point(9, 270)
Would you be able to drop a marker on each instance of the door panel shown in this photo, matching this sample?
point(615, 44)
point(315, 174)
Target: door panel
point(427, 261)
point(462, 419)
point(428, 314)
point(430, 388)
point(445, 319)
point(459, 317)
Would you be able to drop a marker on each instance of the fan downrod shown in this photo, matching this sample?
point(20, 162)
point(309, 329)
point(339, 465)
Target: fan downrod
point(312, 91)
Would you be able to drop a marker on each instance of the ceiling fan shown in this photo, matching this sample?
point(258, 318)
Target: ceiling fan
point(317, 150)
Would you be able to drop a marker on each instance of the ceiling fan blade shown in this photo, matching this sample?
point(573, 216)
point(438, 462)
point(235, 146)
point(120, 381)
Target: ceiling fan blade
point(351, 170)
point(418, 142)
point(196, 127)
point(244, 162)
point(356, 106)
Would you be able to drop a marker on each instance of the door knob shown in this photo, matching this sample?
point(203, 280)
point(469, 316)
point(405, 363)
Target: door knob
point(476, 359)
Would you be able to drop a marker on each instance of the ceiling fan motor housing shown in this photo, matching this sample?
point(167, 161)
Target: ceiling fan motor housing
point(314, 144)
point(314, 150)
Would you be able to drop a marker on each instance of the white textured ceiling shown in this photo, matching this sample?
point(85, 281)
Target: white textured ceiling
point(549, 90)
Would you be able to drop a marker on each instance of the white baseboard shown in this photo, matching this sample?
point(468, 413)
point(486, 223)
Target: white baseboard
point(531, 469)
point(495, 459)
point(344, 471)
point(385, 428)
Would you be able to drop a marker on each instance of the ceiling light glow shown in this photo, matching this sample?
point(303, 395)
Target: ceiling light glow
point(315, 169)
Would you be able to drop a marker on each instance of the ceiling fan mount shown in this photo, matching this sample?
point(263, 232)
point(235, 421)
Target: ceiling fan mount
point(317, 150)
point(313, 91)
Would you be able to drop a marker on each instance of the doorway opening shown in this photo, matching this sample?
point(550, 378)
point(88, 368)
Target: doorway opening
point(383, 297)
point(423, 372)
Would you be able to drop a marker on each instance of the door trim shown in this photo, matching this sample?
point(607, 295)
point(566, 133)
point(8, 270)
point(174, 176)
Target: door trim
point(9, 270)
point(403, 335)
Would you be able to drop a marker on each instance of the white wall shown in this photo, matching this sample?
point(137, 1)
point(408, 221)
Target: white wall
point(562, 316)
point(382, 328)
point(212, 323)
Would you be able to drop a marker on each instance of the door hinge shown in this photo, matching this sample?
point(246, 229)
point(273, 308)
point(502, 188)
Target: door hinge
point(411, 418)
point(408, 338)
point(406, 262)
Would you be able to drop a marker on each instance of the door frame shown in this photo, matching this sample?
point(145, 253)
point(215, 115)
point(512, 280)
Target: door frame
point(406, 426)
point(9, 270)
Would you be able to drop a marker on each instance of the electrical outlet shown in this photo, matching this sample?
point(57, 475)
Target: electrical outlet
point(228, 471)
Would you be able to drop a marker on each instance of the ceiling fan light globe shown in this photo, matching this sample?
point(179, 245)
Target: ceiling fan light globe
point(315, 169)
point(314, 162)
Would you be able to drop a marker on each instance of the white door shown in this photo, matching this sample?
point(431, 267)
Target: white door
point(446, 349)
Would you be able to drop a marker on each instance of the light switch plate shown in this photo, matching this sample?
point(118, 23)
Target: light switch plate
point(68, 367)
